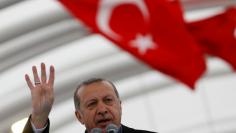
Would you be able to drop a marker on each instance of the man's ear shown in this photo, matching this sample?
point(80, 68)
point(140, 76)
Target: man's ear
point(79, 116)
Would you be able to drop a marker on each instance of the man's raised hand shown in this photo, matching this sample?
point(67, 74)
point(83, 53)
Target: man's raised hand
point(42, 94)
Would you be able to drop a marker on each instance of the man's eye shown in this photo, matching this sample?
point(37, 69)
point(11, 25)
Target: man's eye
point(108, 100)
point(92, 104)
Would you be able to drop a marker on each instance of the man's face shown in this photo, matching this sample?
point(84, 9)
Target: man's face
point(99, 106)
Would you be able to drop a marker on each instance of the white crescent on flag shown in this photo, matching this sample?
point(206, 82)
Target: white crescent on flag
point(104, 13)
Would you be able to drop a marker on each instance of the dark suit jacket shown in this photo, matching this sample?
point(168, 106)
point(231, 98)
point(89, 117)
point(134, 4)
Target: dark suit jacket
point(131, 130)
point(28, 129)
point(126, 129)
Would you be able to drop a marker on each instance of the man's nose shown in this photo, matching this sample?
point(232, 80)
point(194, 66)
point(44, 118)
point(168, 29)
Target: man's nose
point(102, 109)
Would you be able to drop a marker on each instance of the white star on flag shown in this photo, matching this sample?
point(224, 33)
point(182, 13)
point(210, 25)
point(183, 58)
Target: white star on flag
point(143, 43)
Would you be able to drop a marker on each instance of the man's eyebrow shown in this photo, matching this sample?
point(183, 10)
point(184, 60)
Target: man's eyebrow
point(109, 96)
point(91, 100)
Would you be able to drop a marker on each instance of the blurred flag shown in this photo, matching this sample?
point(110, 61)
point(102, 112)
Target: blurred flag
point(216, 35)
point(176, 9)
point(148, 30)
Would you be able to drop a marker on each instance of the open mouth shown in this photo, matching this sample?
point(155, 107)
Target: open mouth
point(104, 122)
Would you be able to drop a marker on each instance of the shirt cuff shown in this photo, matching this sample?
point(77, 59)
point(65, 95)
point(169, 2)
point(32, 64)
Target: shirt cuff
point(39, 130)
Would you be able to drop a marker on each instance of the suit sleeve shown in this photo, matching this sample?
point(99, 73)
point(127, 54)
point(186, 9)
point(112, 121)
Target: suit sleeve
point(28, 127)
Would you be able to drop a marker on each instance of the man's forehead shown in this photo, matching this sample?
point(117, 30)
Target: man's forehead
point(96, 86)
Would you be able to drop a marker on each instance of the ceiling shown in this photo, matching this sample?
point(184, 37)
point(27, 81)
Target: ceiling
point(35, 31)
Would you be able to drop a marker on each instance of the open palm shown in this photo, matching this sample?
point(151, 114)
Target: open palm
point(42, 94)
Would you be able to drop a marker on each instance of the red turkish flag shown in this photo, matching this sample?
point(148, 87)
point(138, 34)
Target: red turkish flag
point(175, 7)
point(147, 29)
point(216, 35)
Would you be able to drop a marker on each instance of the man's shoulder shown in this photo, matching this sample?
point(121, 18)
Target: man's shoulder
point(126, 129)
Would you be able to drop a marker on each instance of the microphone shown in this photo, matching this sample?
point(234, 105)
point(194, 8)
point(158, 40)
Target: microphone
point(112, 128)
point(96, 130)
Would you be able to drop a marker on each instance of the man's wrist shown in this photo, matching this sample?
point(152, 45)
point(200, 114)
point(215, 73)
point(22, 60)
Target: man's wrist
point(38, 122)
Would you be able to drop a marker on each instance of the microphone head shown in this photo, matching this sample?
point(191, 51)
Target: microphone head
point(112, 128)
point(96, 130)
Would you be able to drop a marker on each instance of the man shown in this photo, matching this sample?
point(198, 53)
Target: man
point(97, 104)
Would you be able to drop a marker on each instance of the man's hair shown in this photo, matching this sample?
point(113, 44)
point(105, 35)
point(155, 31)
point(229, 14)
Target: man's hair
point(88, 82)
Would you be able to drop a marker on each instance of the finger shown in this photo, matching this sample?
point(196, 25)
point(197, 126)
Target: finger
point(51, 76)
point(35, 73)
point(43, 73)
point(28, 81)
